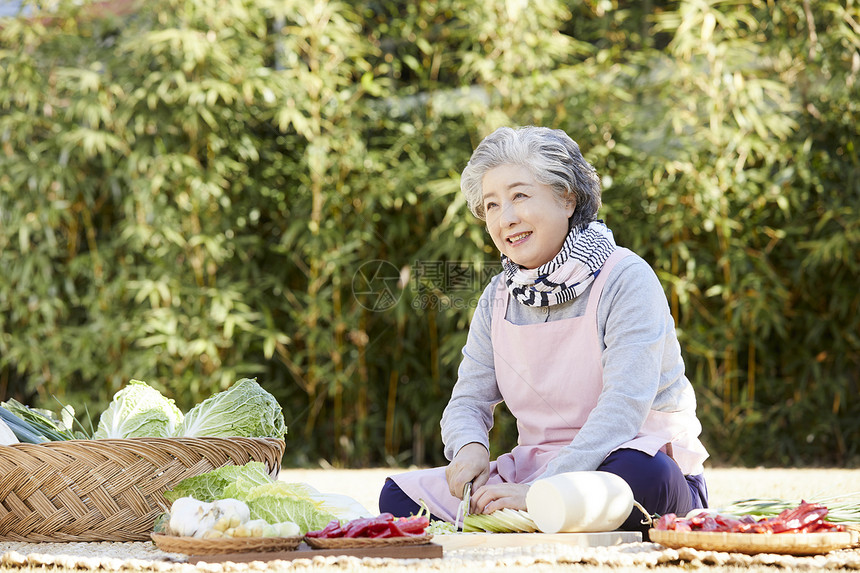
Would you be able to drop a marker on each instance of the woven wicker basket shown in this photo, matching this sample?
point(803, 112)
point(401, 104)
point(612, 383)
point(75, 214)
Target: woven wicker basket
point(354, 542)
point(108, 490)
point(754, 543)
point(224, 546)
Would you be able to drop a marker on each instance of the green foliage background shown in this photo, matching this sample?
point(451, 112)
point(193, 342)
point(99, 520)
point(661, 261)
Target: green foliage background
point(189, 192)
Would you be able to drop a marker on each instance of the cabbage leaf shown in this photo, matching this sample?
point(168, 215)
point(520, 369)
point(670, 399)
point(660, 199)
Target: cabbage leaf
point(281, 501)
point(245, 409)
point(139, 410)
point(220, 483)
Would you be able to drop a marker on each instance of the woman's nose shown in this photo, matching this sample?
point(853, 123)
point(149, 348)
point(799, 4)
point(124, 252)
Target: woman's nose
point(509, 216)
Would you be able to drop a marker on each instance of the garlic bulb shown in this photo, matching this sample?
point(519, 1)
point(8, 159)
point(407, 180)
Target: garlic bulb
point(186, 516)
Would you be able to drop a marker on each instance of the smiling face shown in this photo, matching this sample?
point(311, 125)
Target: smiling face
point(526, 220)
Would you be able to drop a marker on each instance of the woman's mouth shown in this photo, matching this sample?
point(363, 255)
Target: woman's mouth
point(518, 238)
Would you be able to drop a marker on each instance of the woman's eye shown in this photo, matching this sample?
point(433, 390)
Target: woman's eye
point(489, 206)
point(520, 195)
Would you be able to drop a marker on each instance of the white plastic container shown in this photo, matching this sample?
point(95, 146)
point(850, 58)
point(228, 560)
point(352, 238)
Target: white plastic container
point(579, 502)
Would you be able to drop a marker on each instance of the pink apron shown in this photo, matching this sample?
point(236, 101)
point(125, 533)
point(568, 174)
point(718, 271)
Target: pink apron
point(533, 365)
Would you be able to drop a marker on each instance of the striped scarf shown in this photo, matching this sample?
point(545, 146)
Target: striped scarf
point(567, 275)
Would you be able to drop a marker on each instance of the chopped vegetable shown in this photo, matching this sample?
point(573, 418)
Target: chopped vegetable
point(502, 521)
point(439, 527)
point(245, 409)
point(138, 410)
point(383, 526)
point(843, 508)
point(805, 518)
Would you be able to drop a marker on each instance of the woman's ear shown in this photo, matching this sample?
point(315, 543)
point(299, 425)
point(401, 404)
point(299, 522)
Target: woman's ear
point(570, 205)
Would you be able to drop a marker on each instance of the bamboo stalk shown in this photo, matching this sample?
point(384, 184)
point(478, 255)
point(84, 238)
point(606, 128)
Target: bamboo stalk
point(390, 408)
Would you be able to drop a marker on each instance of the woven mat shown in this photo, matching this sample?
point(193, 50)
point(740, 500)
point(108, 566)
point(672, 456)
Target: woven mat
point(144, 556)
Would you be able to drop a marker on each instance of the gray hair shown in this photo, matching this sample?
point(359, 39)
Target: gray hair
point(552, 157)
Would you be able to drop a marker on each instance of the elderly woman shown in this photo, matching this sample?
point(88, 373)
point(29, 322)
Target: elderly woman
point(574, 335)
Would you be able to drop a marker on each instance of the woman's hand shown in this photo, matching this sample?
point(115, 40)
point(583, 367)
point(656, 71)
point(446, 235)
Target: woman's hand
point(470, 464)
point(490, 498)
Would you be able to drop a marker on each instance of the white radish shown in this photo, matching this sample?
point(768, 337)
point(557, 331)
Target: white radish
point(586, 501)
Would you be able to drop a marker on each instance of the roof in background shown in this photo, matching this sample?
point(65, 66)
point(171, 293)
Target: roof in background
point(12, 8)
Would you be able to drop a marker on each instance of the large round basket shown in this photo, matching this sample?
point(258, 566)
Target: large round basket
point(108, 490)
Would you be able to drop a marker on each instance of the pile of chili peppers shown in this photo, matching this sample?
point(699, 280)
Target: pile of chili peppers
point(383, 525)
point(805, 518)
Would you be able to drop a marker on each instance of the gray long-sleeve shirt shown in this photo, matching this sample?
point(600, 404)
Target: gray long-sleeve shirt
point(642, 367)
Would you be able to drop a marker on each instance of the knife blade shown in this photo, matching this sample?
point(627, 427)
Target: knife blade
point(463, 508)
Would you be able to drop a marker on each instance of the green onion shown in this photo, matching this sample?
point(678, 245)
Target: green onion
point(25, 433)
point(502, 521)
point(840, 508)
point(67, 417)
point(36, 425)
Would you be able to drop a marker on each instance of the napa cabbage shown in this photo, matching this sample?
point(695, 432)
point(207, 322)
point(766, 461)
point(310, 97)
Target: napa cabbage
point(281, 501)
point(139, 410)
point(245, 410)
point(220, 483)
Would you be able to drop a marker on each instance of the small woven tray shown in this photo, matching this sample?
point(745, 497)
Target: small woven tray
point(197, 546)
point(108, 490)
point(854, 530)
point(754, 543)
point(353, 542)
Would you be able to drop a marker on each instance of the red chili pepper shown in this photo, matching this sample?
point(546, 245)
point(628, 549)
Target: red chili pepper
point(666, 521)
point(383, 525)
point(330, 530)
point(805, 518)
point(415, 525)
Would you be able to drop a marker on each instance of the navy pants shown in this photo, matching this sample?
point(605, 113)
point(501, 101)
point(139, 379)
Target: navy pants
point(657, 483)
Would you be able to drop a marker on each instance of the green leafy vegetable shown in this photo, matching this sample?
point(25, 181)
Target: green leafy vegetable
point(439, 527)
point(23, 431)
point(221, 483)
point(842, 508)
point(32, 425)
point(139, 410)
point(502, 521)
point(280, 501)
point(68, 420)
point(245, 409)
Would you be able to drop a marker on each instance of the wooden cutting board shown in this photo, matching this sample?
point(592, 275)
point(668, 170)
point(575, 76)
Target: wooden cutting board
point(454, 541)
point(430, 550)
point(434, 549)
